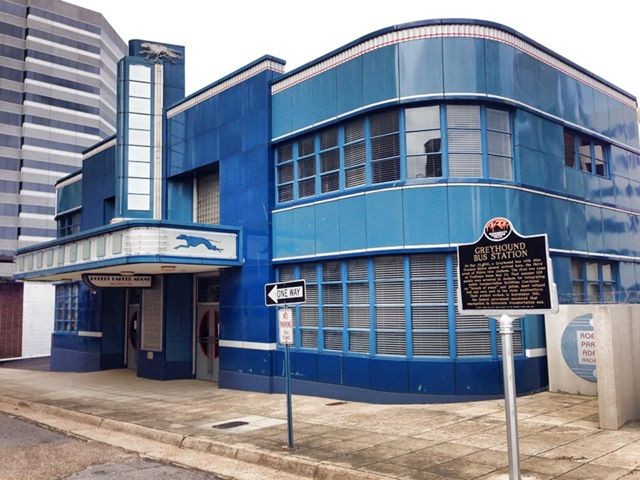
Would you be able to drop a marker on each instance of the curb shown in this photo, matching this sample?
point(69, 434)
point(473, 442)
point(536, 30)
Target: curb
point(243, 453)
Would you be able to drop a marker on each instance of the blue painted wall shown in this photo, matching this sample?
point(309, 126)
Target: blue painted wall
point(98, 180)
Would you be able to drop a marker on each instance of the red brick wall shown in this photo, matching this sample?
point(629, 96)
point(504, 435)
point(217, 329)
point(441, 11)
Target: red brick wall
point(10, 319)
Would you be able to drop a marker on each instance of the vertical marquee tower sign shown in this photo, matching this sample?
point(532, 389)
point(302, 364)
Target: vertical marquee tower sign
point(506, 275)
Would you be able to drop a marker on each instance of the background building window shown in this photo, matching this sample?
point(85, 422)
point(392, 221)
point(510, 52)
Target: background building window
point(423, 142)
point(593, 281)
point(66, 313)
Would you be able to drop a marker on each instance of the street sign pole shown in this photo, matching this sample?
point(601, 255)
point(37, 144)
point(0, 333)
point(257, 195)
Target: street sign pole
point(287, 382)
point(506, 334)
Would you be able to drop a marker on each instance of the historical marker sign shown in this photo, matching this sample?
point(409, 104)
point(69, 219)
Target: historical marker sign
point(505, 273)
point(285, 293)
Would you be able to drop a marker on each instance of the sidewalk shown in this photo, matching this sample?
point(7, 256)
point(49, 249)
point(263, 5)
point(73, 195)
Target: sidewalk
point(559, 434)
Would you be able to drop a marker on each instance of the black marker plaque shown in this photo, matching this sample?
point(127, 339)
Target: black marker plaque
point(504, 272)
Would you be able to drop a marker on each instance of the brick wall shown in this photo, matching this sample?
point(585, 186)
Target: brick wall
point(10, 319)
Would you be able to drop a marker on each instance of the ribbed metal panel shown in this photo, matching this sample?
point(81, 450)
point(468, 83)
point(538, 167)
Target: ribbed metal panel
point(434, 344)
point(359, 342)
point(391, 343)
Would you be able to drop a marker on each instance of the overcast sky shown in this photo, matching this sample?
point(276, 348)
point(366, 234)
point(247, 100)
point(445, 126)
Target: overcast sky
point(221, 36)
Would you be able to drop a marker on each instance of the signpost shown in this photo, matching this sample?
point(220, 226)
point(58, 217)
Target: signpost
point(286, 293)
point(506, 275)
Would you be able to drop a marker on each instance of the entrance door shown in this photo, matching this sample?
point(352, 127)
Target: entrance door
point(133, 321)
point(207, 338)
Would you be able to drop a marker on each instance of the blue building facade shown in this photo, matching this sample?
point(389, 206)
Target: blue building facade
point(359, 172)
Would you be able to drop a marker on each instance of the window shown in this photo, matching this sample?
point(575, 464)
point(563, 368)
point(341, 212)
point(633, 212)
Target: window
point(208, 199)
point(465, 140)
point(593, 281)
point(402, 305)
point(329, 161)
point(284, 156)
point(354, 153)
point(66, 314)
point(68, 224)
point(385, 147)
point(423, 142)
point(499, 143)
point(585, 153)
point(306, 167)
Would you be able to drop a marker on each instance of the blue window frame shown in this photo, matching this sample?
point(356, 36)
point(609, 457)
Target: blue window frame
point(593, 281)
point(585, 153)
point(391, 305)
point(66, 314)
point(397, 144)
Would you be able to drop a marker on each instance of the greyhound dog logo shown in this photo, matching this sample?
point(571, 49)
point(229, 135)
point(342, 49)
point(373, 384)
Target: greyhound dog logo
point(192, 242)
point(497, 229)
point(159, 52)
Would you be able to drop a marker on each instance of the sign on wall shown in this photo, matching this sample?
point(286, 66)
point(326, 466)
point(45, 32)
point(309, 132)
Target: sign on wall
point(579, 347)
point(96, 280)
point(505, 273)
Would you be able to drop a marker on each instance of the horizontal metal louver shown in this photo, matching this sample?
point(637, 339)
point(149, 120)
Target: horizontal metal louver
point(391, 343)
point(309, 339)
point(464, 141)
point(354, 154)
point(358, 293)
point(385, 170)
point(312, 294)
point(330, 182)
point(429, 291)
point(385, 122)
point(329, 161)
point(498, 120)
point(308, 272)
point(435, 344)
point(387, 268)
point(518, 348)
point(359, 342)
point(354, 177)
point(307, 188)
point(285, 193)
point(430, 317)
point(359, 317)
point(306, 167)
point(285, 273)
point(357, 269)
point(285, 173)
point(332, 340)
point(428, 266)
point(332, 316)
point(329, 138)
point(471, 321)
point(306, 146)
point(465, 165)
point(385, 147)
point(389, 292)
point(463, 116)
point(354, 131)
point(285, 153)
point(331, 272)
point(390, 318)
point(308, 316)
point(473, 343)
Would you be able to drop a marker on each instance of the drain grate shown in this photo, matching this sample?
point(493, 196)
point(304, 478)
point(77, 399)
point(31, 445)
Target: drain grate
point(234, 424)
point(333, 404)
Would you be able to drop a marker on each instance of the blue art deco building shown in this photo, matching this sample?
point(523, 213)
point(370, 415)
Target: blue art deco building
point(359, 172)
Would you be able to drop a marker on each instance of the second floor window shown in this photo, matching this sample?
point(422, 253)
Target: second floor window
point(585, 153)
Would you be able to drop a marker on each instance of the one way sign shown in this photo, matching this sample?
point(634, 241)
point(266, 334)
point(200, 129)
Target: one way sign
point(285, 293)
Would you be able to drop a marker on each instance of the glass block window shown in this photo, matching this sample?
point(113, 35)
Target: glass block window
point(354, 154)
point(332, 302)
point(284, 172)
point(309, 310)
point(423, 142)
point(66, 313)
point(499, 144)
point(429, 307)
point(208, 199)
point(389, 306)
point(585, 153)
point(385, 147)
point(464, 140)
point(358, 310)
point(593, 281)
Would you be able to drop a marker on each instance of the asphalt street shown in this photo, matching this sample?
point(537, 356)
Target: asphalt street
point(31, 452)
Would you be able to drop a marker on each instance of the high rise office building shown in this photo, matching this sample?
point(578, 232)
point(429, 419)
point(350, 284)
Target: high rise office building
point(57, 96)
